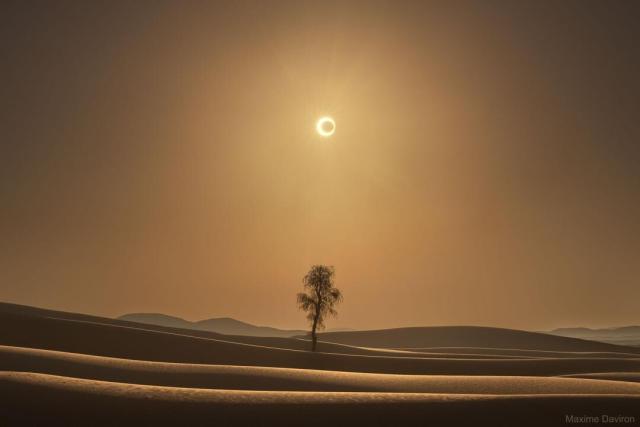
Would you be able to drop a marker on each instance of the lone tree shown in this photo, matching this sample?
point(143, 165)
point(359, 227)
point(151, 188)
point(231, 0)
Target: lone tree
point(319, 298)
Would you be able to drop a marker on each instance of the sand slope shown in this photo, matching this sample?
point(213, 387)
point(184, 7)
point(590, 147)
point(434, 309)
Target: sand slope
point(614, 376)
point(437, 337)
point(288, 379)
point(141, 344)
point(62, 368)
point(518, 353)
point(467, 336)
point(33, 324)
point(38, 399)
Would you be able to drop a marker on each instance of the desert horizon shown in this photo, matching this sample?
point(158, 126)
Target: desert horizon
point(224, 323)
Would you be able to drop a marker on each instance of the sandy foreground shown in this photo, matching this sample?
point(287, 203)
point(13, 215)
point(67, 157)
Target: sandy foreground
point(55, 400)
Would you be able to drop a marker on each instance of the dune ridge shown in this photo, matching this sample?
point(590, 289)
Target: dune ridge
point(463, 336)
point(37, 398)
point(514, 352)
point(142, 344)
point(467, 336)
point(289, 379)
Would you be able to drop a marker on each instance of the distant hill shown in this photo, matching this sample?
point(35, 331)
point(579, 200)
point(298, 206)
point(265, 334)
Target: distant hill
point(221, 325)
point(158, 319)
point(463, 336)
point(624, 335)
point(33, 327)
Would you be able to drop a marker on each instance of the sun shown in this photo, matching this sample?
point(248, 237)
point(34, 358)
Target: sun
point(326, 126)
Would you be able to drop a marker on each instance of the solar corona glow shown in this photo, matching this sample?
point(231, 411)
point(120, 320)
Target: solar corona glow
point(191, 165)
point(326, 126)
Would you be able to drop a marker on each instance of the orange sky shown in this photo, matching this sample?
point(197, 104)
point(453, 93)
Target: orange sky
point(162, 157)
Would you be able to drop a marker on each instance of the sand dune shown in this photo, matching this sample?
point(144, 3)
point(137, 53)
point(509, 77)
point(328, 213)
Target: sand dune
point(464, 336)
point(513, 352)
point(16, 314)
point(141, 344)
point(467, 336)
point(287, 379)
point(34, 399)
point(625, 335)
point(614, 376)
point(66, 367)
point(327, 347)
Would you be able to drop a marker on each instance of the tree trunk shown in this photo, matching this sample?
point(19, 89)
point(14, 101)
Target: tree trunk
point(314, 337)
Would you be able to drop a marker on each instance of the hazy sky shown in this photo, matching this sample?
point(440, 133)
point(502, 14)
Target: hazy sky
point(162, 156)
